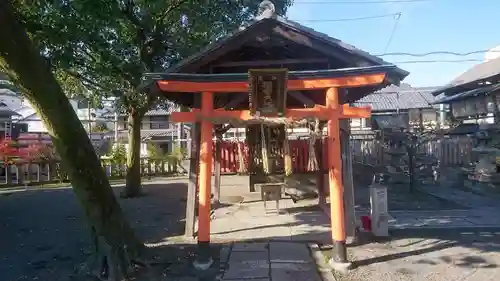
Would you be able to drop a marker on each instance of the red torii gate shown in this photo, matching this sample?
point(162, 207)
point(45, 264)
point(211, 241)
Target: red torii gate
point(332, 111)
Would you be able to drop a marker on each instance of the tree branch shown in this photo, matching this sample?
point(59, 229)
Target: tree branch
point(128, 11)
point(168, 11)
point(84, 79)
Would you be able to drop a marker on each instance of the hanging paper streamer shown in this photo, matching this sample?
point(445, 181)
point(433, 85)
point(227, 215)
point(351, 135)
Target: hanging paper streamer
point(265, 157)
point(287, 154)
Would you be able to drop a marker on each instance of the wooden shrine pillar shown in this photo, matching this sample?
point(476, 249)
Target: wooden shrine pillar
point(194, 165)
point(204, 259)
point(320, 173)
point(194, 161)
point(347, 180)
point(335, 180)
point(217, 167)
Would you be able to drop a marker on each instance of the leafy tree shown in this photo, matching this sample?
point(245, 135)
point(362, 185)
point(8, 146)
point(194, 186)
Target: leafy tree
point(403, 148)
point(115, 241)
point(95, 49)
point(99, 48)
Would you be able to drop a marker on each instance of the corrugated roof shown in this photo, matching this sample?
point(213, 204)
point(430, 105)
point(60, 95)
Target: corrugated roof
point(470, 78)
point(393, 98)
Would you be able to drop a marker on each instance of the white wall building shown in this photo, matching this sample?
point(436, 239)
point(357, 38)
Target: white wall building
point(27, 115)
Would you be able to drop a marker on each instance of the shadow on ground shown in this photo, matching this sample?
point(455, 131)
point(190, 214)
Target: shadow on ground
point(44, 236)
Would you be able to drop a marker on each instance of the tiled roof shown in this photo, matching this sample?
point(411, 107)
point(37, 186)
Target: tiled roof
point(479, 91)
point(152, 112)
point(147, 134)
point(404, 97)
point(470, 78)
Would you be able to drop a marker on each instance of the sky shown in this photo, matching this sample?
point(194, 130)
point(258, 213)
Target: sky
point(459, 26)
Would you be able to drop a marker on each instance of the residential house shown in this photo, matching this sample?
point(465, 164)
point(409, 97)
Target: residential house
point(156, 129)
point(474, 96)
point(399, 107)
point(90, 118)
point(9, 100)
point(394, 106)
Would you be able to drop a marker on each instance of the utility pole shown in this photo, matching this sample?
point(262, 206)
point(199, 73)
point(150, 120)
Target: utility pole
point(89, 119)
point(116, 126)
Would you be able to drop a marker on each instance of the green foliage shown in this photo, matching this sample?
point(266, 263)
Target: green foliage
point(179, 153)
point(97, 47)
point(116, 158)
point(61, 173)
point(101, 48)
point(100, 127)
point(118, 154)
point(153, 151)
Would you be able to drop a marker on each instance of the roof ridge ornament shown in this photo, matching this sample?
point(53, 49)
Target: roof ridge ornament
point(266, 10)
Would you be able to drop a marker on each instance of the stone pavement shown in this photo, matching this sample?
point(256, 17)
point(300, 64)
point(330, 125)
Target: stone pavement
point(249, 221)
point(476, 212)
point(472, 218)
point(467, 199)
point(422, 245)
point(428, 255)
point(268, 261)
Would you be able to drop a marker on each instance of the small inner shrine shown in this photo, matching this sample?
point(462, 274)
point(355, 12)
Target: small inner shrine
point(269, 76)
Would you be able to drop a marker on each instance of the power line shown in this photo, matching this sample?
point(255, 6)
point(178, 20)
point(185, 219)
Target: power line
point(395, 26)
point(351, 19)
point(437, 61)
point(437, 53)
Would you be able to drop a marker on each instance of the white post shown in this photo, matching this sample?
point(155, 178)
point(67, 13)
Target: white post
point(179, 134)
point(116, 127)
point(442, 115)
point(379, 210)
point(89, 112)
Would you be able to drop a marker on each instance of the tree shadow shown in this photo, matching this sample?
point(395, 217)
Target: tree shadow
point(44, 234)
point(45, 231)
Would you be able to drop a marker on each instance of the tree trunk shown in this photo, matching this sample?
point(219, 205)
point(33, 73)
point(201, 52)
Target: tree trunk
point(133, 177)
point(117, 241)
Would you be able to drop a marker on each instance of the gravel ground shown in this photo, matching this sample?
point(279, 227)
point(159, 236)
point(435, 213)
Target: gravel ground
point(440, 255)
point(44, 237)
point(399, 198)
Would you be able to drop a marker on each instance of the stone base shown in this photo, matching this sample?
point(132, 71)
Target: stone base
point(341, 267)
point(203, 265)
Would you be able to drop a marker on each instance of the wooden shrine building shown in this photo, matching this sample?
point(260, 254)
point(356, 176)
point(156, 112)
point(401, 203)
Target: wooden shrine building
point(474, 94)
point(270, 74)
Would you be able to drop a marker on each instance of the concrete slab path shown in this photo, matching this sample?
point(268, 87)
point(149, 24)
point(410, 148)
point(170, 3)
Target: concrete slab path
point(269, 261)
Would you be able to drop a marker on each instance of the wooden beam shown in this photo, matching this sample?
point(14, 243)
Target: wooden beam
point(189, 228)
point(217, 167)
point(236, 101)
point(320, 112)
point(355, 112)
point(270, 62)
point(293, 85)
point(302, 98)
point(349, 204)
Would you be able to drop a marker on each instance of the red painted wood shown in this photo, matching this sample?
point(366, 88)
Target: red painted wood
point(299, 150)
